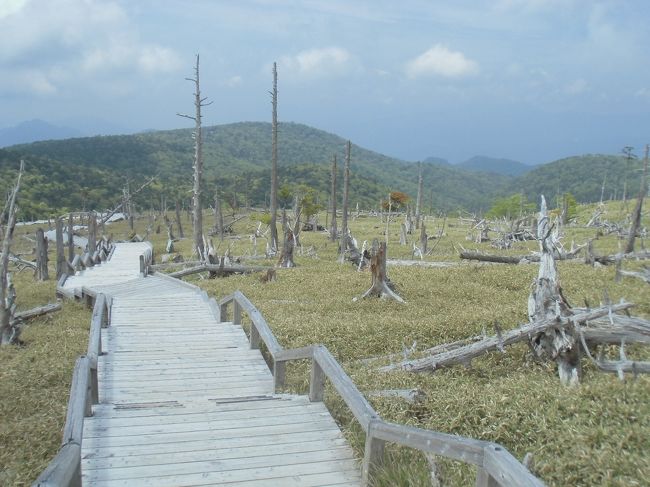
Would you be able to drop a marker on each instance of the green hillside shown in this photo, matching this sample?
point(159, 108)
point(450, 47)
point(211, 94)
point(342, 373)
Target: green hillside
point(90, 172)
point(237, 160)
point(583, 177)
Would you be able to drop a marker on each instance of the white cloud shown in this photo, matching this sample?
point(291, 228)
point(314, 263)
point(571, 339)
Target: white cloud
point(73, 38)
point(317, 63)
point(233, 81)
point(9, 7)
point(441, 61)
point(576, 87)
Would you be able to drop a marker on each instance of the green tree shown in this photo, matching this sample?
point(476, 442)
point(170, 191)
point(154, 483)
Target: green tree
point(511, 207)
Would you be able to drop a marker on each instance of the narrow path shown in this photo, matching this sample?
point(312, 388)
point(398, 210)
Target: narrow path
point(185, 401)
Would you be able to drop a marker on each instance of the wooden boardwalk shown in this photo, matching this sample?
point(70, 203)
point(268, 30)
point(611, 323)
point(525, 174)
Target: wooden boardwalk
point(183, 400)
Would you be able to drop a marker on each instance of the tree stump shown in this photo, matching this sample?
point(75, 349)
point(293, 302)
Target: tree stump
point(61, 267)
point(546, 301)
point(41, 256)
point(286, 256)
point(381, 286)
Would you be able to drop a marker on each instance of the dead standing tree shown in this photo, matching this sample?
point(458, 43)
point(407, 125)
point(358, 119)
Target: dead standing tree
point(8, 331)
point(333, 229)
point(418, 201)
point(197, 210)
point(381, 286)
point(345, 232)
point(636, 216)
point(41, 256)
point(274, 161)
point(555, 330)
point(546, 301)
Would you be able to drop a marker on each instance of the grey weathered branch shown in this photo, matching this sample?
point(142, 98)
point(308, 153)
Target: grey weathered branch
point(465, 354)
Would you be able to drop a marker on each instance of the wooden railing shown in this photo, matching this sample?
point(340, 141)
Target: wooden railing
point(496, 466)
point(65, 469)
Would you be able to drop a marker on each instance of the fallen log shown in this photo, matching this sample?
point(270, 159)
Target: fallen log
point(409, 395)
point(465, 354)
point(516, 259)
point(614, 258)
point(34, 312)
point(499, 259)
point(223, 270)
point(445, 347)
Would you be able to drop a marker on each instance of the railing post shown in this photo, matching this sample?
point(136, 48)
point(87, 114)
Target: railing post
point(236, 314)
point(373, 456)
point(255, 337)
point(316, 380)
point(279, 374)
point(223, 312)
point(484, 479)
point(142, 266)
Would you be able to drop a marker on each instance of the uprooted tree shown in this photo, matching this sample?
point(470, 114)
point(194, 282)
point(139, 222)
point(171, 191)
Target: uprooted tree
point(556, 331)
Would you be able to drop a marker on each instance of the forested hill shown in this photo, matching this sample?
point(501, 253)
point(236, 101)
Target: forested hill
point(91, 172)
point(583, 177)
point(237, 160)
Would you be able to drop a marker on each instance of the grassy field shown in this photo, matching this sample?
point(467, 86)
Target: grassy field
point(595, 434)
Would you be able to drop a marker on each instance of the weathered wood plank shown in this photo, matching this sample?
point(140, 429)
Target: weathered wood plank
point(223, 466)
point(205, 453)
point(275, 474)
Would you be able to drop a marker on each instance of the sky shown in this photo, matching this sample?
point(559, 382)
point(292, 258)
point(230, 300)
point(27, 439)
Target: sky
point(530, 80)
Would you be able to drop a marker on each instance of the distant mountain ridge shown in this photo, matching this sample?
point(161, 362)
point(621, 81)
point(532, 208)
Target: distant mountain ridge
point(33, 130)
point(237, 163)
point(495, 165)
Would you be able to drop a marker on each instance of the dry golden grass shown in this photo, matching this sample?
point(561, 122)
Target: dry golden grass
point(596, 434)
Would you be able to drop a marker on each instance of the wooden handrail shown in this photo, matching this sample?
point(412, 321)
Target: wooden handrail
point(496, 466)
point(65, 469)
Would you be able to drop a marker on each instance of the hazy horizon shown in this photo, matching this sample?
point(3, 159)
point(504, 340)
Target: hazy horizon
point(527, 80)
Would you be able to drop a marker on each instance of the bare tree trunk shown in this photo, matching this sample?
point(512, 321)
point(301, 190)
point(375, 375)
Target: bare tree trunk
point(178, 220)
point(546, 301)
point(218, 216)
point(42, 273)
point(418, 201)
point(346, 193)
point(274, 160)
point(423, 239)
point(92, 233)
point(8, 334)
point(61, 267)
point(381, 286)
point(70, 238)
point(333, 229)
point(636, 216)
point(286, 257)
point(197, 222)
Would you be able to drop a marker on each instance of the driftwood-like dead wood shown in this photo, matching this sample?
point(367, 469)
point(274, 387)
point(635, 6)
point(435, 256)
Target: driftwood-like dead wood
point(121, 205)
point(643, 275)
point(42, 273)
point(288, 246)
point(381, 287)
point(406, 352)
point(546, 301)
point(614, 258)
point(61, 267)
point(636, 214)
point(332, 229)
point(8, 333)
point(34, 312)
point(465, 354)
point(217, 268)
point(409, 395)
point(518, 259)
